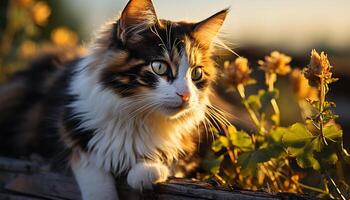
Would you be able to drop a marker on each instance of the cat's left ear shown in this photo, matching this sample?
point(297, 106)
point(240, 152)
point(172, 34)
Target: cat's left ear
point(137, 16)
point(207, 29)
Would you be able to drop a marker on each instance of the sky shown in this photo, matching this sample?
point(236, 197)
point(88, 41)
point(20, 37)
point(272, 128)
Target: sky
point(295, 24)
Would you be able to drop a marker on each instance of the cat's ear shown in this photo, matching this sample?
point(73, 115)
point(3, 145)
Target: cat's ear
point(137, 16)
point(207, 29)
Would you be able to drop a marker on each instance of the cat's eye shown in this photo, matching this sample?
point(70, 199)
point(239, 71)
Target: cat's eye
point(196, 73)
point(159, 67)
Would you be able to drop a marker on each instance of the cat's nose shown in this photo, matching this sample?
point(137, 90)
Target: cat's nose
point(185, 96)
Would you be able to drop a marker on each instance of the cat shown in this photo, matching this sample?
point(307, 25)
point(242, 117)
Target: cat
point(130, 107)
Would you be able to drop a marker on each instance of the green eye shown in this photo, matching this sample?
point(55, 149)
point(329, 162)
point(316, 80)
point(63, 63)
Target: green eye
point(160, 68)
point(196, 73)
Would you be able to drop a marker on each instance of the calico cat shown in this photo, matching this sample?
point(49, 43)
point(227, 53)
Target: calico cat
point(130, 107)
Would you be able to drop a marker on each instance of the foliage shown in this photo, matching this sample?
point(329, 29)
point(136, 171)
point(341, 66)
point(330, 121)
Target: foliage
point(281, 158)
point(25, 32)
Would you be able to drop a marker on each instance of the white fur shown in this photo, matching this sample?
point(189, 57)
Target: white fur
point(94, 182)
point(130, 130)
point(144, 174)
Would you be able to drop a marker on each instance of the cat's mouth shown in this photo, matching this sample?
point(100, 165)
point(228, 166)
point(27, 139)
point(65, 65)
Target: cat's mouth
point(172, 109)
point(177, 107)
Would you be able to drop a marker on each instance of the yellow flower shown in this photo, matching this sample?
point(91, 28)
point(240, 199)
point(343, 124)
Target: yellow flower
point(40, 13)
point(301, 87)
point(276, 63)
point(64, 37)
point(27, 49)
point(237, 72)
point(318, 68)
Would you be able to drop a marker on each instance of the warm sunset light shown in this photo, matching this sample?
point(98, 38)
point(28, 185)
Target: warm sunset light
point(165, 99)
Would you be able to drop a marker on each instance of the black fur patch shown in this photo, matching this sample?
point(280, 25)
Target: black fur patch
point(79, 136)
point(202, 84)
point(44, 83)
point(127, 82)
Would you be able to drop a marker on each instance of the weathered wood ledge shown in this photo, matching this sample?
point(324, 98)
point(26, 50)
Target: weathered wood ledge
point(26, 180)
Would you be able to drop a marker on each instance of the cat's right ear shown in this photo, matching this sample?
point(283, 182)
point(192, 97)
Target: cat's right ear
point(137, 16)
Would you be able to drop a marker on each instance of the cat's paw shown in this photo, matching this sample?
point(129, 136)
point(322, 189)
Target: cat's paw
point(144, 175)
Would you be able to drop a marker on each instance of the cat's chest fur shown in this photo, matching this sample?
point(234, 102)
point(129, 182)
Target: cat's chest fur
point(125, 133)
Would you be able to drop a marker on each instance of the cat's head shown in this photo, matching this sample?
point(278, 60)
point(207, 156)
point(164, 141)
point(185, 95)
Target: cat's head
point(159, 65)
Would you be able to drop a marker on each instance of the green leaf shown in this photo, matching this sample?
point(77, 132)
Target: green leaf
point(333, 133)
point(308, 149)
point(248, 163)
point(224, 141)
point(297, 136)
point(305, 156)
point(212, 163)
point(275, 118)
point(216, 146)
point(231, 129)
point(328, 155)
point(219, 143)
point(242, 140)
point(273, 144)
point(301, 144)
point(250, 160)
point(250, 82)
point(272, 148)
point(253, 101)
point(276, 135)
point(214, 131)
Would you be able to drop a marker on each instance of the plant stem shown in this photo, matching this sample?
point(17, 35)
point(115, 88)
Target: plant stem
point(270, 79)
point(305, 186)
point(231, 154)
point(311, 188)
point(253, 116)
point(321, 108)
point(336, 187)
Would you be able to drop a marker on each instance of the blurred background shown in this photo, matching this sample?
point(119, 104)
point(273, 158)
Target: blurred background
point(253, 29)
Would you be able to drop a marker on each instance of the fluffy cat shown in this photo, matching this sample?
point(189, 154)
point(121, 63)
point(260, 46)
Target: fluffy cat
point(130, 107)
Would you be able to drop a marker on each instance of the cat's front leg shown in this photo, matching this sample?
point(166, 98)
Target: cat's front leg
point(144, 174)
point(94, 183)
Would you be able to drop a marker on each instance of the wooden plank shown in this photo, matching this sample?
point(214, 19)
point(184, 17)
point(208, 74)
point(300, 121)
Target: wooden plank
point(22, 166)
point(6, 196)
point(45, 185)
point(195, 190)
point(40, 184)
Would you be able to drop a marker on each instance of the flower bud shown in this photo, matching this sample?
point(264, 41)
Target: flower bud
point(237, 72)
point(276, 63)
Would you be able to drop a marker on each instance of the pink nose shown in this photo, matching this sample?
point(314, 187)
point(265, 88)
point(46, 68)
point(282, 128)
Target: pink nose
point(185, 96)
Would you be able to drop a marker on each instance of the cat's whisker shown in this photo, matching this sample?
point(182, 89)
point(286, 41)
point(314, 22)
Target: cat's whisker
point(211, 125)
point(205, 128)
point(214, 120)
point(219, 110)
point(217, 116)
point(220, 117)
point(199, 137)
point(220, 113)
point(219, 43)
point(155, 31)
point(168, 35)
point(142, 109)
